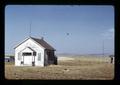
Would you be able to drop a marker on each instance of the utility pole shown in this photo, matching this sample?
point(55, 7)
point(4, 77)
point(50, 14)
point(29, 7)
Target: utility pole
point(103, 48)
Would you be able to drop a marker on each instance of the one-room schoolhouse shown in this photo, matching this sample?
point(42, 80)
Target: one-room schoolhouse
point(34, 52)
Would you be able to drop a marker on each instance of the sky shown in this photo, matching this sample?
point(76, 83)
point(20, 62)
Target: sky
point(77, 29)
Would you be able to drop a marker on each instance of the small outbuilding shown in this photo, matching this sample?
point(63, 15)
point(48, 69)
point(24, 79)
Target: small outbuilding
point(34, 52)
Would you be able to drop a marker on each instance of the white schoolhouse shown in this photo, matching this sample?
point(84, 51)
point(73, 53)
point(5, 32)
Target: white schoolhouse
point(34, 52)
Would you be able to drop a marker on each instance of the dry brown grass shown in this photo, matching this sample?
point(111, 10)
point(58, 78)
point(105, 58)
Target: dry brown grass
point(79, 68)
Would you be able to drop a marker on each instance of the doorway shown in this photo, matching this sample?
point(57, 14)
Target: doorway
point(27, 58)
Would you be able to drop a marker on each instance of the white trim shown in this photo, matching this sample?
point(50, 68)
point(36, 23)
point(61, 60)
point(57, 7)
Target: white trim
point(21, 42)
point(26, 40)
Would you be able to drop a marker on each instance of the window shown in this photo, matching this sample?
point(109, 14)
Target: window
point(19, 56)
point(27, 54)
point(39, 56)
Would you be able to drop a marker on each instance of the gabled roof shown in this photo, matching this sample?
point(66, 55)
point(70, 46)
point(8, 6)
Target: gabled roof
point(43, 43)
point(40, 42)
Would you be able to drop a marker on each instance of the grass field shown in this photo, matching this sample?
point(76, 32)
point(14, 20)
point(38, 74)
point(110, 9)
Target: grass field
point(83, 68)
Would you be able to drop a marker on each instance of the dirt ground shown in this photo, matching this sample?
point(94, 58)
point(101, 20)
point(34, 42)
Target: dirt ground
point(76, 69)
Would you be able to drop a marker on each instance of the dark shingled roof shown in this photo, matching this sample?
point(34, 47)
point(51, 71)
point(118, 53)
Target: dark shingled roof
point(43, 43)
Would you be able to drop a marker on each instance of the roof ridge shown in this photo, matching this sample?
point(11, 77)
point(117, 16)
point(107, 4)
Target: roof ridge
point(36, 38)
point(43, 43)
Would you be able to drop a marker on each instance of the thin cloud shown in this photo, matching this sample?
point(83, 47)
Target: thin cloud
point(108, 34)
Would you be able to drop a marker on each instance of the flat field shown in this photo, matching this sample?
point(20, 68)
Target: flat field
point(74, 68)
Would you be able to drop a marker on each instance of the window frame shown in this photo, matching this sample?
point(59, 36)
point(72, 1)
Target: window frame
point(19, 56)
point(39, 57)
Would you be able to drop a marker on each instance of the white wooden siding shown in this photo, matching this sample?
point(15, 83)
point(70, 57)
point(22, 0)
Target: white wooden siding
point(30, 43)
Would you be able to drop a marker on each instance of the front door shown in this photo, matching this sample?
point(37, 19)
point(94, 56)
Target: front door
point(28, 60)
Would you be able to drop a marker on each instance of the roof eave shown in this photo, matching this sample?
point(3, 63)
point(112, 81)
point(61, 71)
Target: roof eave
point(21, 43)
point(50, 49)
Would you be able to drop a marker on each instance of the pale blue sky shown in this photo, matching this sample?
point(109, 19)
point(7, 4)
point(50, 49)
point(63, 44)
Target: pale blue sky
point(87, 26)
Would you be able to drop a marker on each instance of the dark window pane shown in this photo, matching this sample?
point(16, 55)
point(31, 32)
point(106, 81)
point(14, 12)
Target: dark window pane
point(27, 54)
